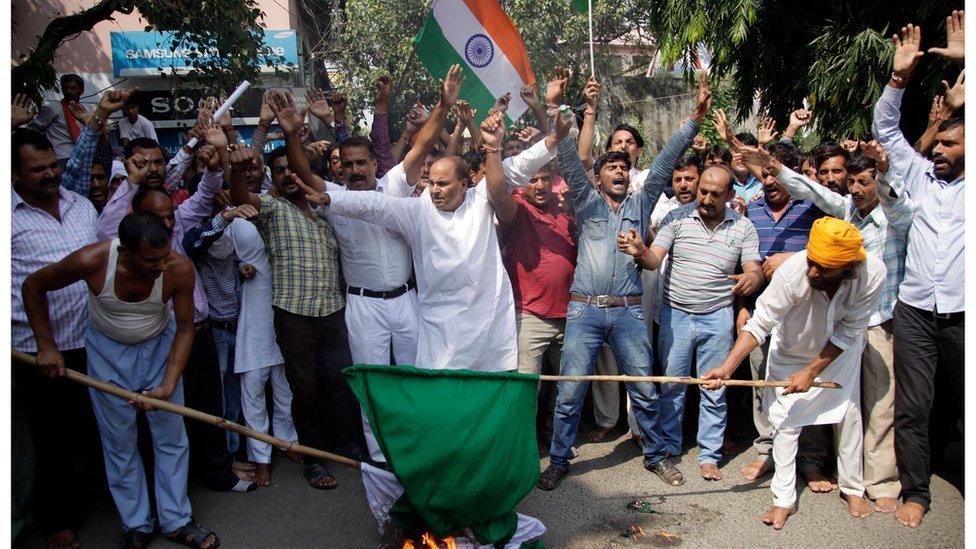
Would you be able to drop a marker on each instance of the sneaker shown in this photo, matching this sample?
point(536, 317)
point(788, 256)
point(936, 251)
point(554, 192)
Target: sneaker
point(551, 477)
point(667, 471)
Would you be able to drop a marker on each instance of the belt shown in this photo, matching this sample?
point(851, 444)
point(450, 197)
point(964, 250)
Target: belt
point(385, 294)
point(948, 316)
point(607, 300)
point(225, 325)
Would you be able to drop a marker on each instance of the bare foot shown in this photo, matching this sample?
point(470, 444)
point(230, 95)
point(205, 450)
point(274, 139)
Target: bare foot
point(245, 475)
point(710, 471)
point(295, 457)
point(65, 539)
point(756, 469)
point(776, 516)
point(819, 483)
point(886, 505)
point(243, 466)
point(910, 514)
point(262, 474)
point(857, 505)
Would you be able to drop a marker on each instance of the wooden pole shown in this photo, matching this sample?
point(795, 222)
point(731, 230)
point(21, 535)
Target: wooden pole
point(686, 381)
point(589, 9)
point(194, 414)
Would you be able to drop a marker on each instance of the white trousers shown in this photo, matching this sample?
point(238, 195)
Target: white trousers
point(256, 412)
point(849, 440)
point(606, 395)
point(376, 327)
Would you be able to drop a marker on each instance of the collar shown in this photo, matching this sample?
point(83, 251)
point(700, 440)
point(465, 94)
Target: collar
point(876, 216)
point(750, 181)
point(63, 196)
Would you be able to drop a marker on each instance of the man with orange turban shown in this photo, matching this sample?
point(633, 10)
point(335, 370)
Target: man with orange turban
point(815, 312)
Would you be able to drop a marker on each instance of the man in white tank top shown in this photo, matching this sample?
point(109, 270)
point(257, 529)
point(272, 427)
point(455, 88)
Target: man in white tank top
point(137, 341)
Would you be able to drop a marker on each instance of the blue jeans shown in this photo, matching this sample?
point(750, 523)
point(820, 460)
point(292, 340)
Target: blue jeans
point(225, 340)
point(588, 327)
point(686, 337)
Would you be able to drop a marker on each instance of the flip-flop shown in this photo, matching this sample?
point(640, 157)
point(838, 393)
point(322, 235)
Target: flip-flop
point(315, 473)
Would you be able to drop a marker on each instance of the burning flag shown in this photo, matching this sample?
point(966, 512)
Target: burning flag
point(461, 443)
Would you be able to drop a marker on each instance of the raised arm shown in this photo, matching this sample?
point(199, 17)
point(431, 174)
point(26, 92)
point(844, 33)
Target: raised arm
point(379, 132)
point(898, 208)
point(757, 159)
point(531, 98)
point(400, 214)
point(588, 131)
point(77, 172)
point(290, 121)
point(493, 132)
point(73, 268)
point(887, 111)
point(243, 159)
point(663, 165)
point(413, 162)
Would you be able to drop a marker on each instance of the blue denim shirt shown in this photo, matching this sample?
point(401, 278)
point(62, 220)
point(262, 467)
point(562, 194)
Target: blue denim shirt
point(601, 269)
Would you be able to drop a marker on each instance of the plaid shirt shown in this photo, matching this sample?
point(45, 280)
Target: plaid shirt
point(78, 170)
point(37, 240)
point(304, 256)
point(218, 272)
point(884, 230)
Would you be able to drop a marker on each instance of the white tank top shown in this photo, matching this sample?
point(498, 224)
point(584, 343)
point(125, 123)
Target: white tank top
point(123, 321)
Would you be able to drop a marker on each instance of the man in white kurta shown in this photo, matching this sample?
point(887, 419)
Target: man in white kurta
point(465, 304)
point(815, 312)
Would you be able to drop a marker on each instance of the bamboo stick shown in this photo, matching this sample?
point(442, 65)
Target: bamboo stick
point(194, 414)
point(686, 381)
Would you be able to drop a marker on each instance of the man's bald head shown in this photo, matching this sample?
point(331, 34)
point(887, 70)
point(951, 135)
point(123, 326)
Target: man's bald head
point(718, 174)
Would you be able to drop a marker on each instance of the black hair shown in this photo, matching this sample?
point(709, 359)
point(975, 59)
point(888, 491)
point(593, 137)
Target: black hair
point(474, 159)
point(860, 162)
point(718, 151)
point(628, 128)
point(689, 161)
point(71, 77)
point(142, 194)
point(274, 155)
point(27, 136)
point(103, 157)
point(436, 153)
point(358, 141)
point(951, 123)
point(138, 227)
point(747, 139)
point(787, 154)
point(611, 156)
point(141, 143)
point(826, 151)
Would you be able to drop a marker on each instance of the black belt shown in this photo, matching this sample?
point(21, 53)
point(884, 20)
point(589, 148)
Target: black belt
point(385, 294)
point(959, 315)
point(225, 325)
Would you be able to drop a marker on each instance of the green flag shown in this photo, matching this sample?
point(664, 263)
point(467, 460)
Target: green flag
point(462, 444)
point(581, 6)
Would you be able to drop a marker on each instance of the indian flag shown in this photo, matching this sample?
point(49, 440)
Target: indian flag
point(480, 37)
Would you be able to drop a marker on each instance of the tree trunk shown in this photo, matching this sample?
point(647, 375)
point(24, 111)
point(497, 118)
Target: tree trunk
point(36, 73)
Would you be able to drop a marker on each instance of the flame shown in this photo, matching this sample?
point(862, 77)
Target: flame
point(429, 541)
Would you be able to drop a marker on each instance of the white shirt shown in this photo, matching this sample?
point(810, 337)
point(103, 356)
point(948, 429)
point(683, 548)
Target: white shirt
point(37, 240)
point(373, 257)
point(256, 346)
point(520, 168)
point(651, 279)
point(141, 128)
point(465, 305)
point(799, 322)
point(637, 179)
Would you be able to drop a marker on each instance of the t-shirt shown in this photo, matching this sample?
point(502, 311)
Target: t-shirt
point(540, 257)
point(696, 279)
point(142, 128)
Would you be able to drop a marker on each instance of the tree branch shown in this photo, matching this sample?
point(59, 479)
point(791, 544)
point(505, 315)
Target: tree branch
point(37, 72)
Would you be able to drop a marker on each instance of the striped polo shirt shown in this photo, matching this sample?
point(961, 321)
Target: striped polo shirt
point(696, 279)
point(790, 233)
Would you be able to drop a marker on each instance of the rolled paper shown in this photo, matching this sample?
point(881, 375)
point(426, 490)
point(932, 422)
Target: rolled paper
point(222, 110)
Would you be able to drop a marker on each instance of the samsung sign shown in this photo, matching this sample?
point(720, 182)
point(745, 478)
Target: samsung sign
point(145, 53)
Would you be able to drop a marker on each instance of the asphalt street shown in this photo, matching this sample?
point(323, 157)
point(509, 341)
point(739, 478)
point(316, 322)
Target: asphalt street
point(588, 510)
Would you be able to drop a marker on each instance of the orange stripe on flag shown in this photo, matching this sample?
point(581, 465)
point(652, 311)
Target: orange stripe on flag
point(503, 32)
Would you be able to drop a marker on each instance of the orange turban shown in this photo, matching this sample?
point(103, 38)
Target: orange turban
point(834, 243)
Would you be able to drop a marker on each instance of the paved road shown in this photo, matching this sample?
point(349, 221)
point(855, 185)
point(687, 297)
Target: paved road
point(587, 511)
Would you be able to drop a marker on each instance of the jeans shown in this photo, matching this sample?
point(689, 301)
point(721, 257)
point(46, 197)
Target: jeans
point(707, 339)
point(231, 382)
point(588, 327)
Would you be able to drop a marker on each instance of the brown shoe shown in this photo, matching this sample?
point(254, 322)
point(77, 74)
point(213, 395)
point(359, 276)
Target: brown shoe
point(598, 434)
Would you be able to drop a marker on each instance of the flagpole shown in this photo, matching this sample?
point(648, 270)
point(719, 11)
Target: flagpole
point(589, 5)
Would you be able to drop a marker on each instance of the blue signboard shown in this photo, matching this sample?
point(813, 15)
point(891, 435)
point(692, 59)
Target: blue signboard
point(145, 53)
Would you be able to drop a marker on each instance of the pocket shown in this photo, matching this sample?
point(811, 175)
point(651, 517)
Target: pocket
point(595, 228)
point(574, 310)
point(636, 312)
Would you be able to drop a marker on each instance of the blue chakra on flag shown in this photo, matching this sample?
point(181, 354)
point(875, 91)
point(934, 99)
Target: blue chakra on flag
point(479, 51)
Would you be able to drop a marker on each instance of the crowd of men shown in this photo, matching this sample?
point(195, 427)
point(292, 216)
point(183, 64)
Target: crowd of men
point(209, 278)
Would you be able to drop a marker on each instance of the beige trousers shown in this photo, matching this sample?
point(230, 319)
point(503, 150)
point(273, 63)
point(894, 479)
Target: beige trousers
point(878, 405)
